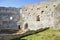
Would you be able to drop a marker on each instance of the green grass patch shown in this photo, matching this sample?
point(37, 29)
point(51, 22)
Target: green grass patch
point(48, 34)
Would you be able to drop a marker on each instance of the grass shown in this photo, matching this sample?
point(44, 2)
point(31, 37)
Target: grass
point(49, 34)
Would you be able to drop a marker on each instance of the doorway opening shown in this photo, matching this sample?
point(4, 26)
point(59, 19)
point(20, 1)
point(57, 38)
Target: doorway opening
point(19, 27)
point(26, 26)
point(38, 18)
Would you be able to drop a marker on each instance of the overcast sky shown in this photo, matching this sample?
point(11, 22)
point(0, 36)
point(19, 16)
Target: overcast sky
point(18, 3)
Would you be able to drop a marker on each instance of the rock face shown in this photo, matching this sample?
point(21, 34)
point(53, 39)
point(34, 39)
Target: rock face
point(40, 15)
point(9, 16)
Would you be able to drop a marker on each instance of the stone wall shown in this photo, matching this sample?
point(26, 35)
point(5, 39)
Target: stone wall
point(9, 16)
point(40, 15)
point(31, 17)
point(57, 17)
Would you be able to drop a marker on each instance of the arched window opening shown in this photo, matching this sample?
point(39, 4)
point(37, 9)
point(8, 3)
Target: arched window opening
point(26, 26)
point(38, 18)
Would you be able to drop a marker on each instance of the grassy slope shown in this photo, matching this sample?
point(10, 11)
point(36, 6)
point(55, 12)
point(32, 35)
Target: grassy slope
point(49, 34)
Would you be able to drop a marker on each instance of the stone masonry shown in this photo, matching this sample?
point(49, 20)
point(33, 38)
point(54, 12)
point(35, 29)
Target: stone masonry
point(40, 15)
point(31, 18)
point(9, 17)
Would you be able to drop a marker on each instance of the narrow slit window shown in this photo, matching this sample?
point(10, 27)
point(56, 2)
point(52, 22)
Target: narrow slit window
point(38, 18)
point(46, 6)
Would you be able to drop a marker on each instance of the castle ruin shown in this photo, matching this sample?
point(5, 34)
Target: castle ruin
point(33, 17)
point(41, 15)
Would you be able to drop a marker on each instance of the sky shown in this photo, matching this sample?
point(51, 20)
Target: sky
point(17, 3)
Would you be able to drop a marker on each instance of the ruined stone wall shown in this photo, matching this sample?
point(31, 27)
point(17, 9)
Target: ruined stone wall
point(57, 17)
point(9, 16)
point(37, 16)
